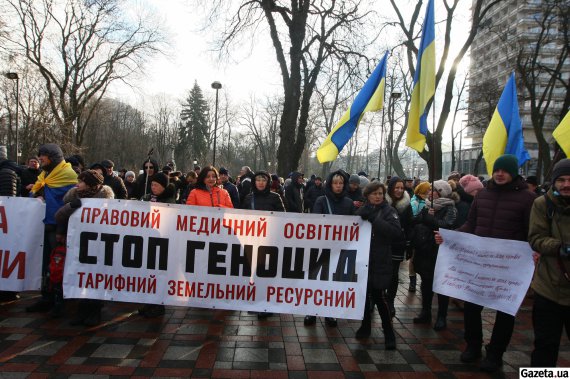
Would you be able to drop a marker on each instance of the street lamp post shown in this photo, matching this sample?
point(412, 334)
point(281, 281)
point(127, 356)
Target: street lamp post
point(216, 85)
point(14, 76)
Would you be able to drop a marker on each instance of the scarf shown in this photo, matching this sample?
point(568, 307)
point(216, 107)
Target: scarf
point(62, 175)
point(440, 203)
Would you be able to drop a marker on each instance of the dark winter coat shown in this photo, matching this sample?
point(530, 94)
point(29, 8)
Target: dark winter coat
point(385, 227)
point(423, 238)
point(233, 192)
point(117, 185)
point(337, 204)
point(463, 206)
point(263, 200)
point(501, 211)
point(294, 194)
point(139, 190)
point(29, 176)
point(245, 186)
point(355, 195)
point(404, 209)
point(312, 194)
point(9, 179)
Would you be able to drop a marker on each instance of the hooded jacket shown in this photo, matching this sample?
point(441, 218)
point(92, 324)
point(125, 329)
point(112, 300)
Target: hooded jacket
point(332, 203)
point(546, 236)
point(404, 209)
point(264, 200)
point(139, 190)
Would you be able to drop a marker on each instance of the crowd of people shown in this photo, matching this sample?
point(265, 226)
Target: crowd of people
point(405, 214)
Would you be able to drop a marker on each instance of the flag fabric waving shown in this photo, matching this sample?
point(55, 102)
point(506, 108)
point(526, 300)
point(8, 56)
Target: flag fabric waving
point(424, 84)
point(370, 98)
point(562, 134)
point(504, 134)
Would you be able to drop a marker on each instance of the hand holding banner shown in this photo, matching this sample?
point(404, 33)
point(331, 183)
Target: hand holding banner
point(491, 272)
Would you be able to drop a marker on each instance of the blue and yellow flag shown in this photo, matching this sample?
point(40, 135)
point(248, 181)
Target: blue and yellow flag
point(424, 84)
point(562, 134)
point(504, 134)
point(370, 98)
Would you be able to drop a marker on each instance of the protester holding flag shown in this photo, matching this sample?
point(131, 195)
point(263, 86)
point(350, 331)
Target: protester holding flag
point(385, 228)
point(501, 210)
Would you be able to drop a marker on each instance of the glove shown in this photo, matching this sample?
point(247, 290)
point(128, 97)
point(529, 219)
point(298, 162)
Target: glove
point(365, 212)
point(74, 204)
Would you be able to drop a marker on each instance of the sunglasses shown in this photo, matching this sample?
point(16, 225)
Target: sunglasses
point(148, 168)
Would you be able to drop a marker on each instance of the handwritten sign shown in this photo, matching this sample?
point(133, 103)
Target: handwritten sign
point(491, 272)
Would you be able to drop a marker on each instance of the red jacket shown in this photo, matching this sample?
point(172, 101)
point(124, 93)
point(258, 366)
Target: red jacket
point(217, 198)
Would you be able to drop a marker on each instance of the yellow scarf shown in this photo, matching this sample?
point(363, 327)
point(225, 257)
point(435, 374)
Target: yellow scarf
point(62, 175)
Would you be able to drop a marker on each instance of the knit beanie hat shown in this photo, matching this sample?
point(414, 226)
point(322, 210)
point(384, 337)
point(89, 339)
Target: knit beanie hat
point(91, 177)
point(3, 152)
point(223, 171)
point(355, 179)
point(442, 187)
point(561, 168)
point(423, 187)
point(52, 151)
point(454, 175)
point(509, 163)
point(363, 181)
point(471, 184)
point(129, 173)
point(161, 179)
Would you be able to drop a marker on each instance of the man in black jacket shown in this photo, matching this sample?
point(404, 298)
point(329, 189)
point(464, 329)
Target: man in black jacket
point(317, 190)
point(294, 193)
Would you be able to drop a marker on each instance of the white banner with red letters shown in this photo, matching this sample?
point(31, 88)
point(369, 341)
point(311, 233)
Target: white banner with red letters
point(491, 272)
point(21, 243)
point(191, 256)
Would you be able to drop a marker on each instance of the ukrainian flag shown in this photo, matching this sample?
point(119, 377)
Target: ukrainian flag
point(424, 84)
point(504, 134)
point(562, 134)
point(370, 98)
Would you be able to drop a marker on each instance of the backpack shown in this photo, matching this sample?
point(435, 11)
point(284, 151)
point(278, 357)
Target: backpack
point(56, 264)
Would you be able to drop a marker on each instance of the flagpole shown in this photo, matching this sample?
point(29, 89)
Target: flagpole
point(381, 136)
point(432, 148)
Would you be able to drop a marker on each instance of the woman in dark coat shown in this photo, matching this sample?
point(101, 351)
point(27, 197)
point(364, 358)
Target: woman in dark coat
point(440, 212)
point(385, 227)
point(399, 199)
point(261, 198)
point(142, 185)
point(334, 202)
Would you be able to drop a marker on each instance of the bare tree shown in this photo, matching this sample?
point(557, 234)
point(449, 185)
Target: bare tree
point(478, 11)
point(304, 34)
point(79, 48)
point(542, 76)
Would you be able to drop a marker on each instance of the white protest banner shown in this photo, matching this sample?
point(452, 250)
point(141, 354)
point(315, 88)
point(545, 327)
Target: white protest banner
point(491, 272)
point(202, 257)
point(21, 243)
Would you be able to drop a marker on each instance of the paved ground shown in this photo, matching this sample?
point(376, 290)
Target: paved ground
point(202, 343)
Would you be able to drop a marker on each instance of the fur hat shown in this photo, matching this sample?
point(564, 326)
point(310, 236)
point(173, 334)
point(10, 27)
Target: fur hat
point(52, 151)
point(3, 152)
point(442, 187)
point(91, 177)
point(471, 184)
point(508, 163)
point(355, 179)
point(161, 179)
point(454, 175)
point(561, 168)
point(423, 187)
